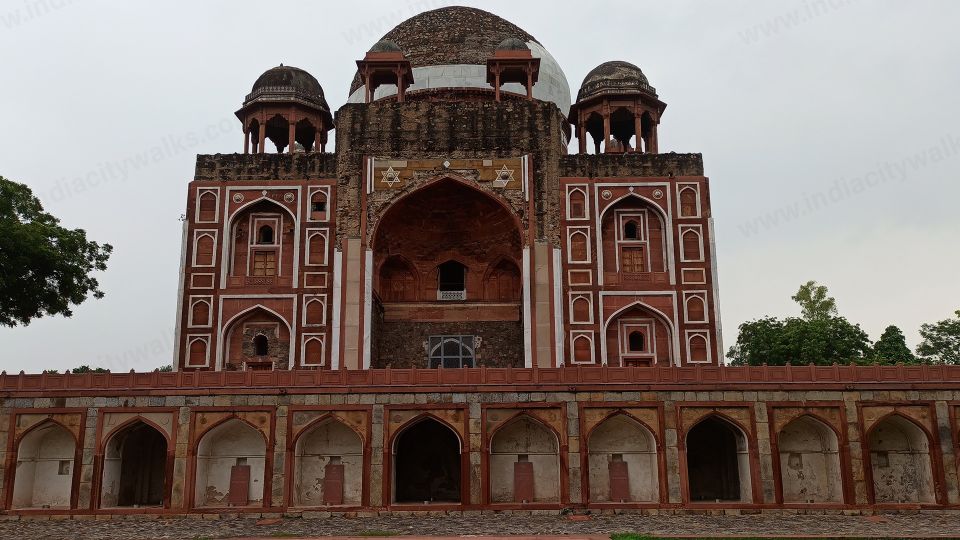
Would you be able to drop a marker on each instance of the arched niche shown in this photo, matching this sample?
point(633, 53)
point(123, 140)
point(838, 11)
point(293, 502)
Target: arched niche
point(134, 467)
point(45, 468)
point(633, 240)
point(638, 325)
point(900, 462)
point(262, 241)
point(622, 456)
point(230, 466)
point(718, 462)
point(809, 462)
point(328, 465)
point(257, 339)
point(524, 463)
point(427, 465)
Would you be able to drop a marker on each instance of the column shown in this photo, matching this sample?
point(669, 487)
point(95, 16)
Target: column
point(637, 129)
point(496, 74)
point(529, 83)
point(654, 143)
point(582, 135)
point(606, 127)
point(291, 138)
point(262, 137)
point(246, 141)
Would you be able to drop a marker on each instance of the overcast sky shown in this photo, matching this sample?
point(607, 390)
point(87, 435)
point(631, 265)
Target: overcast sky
point(830, 131)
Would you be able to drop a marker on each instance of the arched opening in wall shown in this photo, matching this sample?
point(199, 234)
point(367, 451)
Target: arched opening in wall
point(278, 131)
point(696, 310)
point(446, 258)
point(622, 130)
point(265, 235)
point(582, 350)
point(318, 205)
point(329, 466)
point(502, 283)
point(451, 281)
point(230, 466)
point(207, 207)
point(398, 281)
point(427, 467)
point(688, 202)
point(579, 247)
point(639, 336)
point(692, 248)
point(577, 204)
point(718, 463)
point(305, 135)
point(198, 353)
point(524, 463)
point(809, 462)
point(622, 455)
point(134, 467)
point(200, 315)
point(258, 339)
point(594, 126)
point(900, 462)
point(204, 251)
point(261, 243)
point(253, 135)
point(581, 312)
point(633, 242)
point(45, 462)
point(697, 349)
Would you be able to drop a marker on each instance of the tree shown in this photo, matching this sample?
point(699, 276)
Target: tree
point(892, 348)
point(819, 337)
point(814, 301)
point(941, 341)
point(44, 268)
point(88, 369)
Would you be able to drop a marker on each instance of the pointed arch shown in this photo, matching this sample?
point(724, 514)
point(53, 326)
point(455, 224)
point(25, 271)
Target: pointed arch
point(673, 339)
point(524, 457)
point(226, 331)
point(136, 465)
point(44, 472)
point(900, 454)
point(427, 458)
point(577, 203)
point(623, 460)
point(502, 280)
point(398, 280)
point(328, 464)
point(809, 461)
point(718, 462)
point(230, 464)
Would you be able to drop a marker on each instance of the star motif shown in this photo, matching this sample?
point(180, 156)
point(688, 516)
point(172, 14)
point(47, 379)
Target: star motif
point(390, 177)
point(504, 177)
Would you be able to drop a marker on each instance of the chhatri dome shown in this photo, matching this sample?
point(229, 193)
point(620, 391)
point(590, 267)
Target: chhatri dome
point(449, 47)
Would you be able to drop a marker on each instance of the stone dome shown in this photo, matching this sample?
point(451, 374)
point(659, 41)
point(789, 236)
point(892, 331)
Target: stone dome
point(449, 48)
point(385, 45)
point(512, 44)
point(615, 77)
point(286, 83)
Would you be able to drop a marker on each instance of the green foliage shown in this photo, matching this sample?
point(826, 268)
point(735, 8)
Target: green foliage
point(44, 268)
point(800, 341)
point(165, 369)
point(892, 348)
point(814, 302)
point(941, 341)
point(88, 369)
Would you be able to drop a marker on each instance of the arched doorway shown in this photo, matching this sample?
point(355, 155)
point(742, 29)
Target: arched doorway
point(718, 465)
point(524, 463)
point(231, 461)
point(427, 466)
point(445, 257)
point(134, 467)
point(638, 336)
point(258, 339)
point(809, 462)
point(329, 466)
point(900, 462)
point(45, 468)
point(622, 455)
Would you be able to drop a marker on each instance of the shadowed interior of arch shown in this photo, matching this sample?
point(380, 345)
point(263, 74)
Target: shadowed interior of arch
point(718, 467)
point(427, 465)
point(134, 467)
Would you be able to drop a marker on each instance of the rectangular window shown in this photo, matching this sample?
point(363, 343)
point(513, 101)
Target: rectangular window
point(265, 263)
point(451, 351)
point(632, 260)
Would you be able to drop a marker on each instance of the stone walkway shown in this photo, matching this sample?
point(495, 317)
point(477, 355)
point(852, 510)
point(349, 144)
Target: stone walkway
point(920, 525)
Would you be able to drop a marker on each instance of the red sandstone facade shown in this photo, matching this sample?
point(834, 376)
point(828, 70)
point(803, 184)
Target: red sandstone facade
point(453, 312)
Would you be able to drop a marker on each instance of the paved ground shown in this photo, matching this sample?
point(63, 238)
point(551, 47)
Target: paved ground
point(924, 525)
